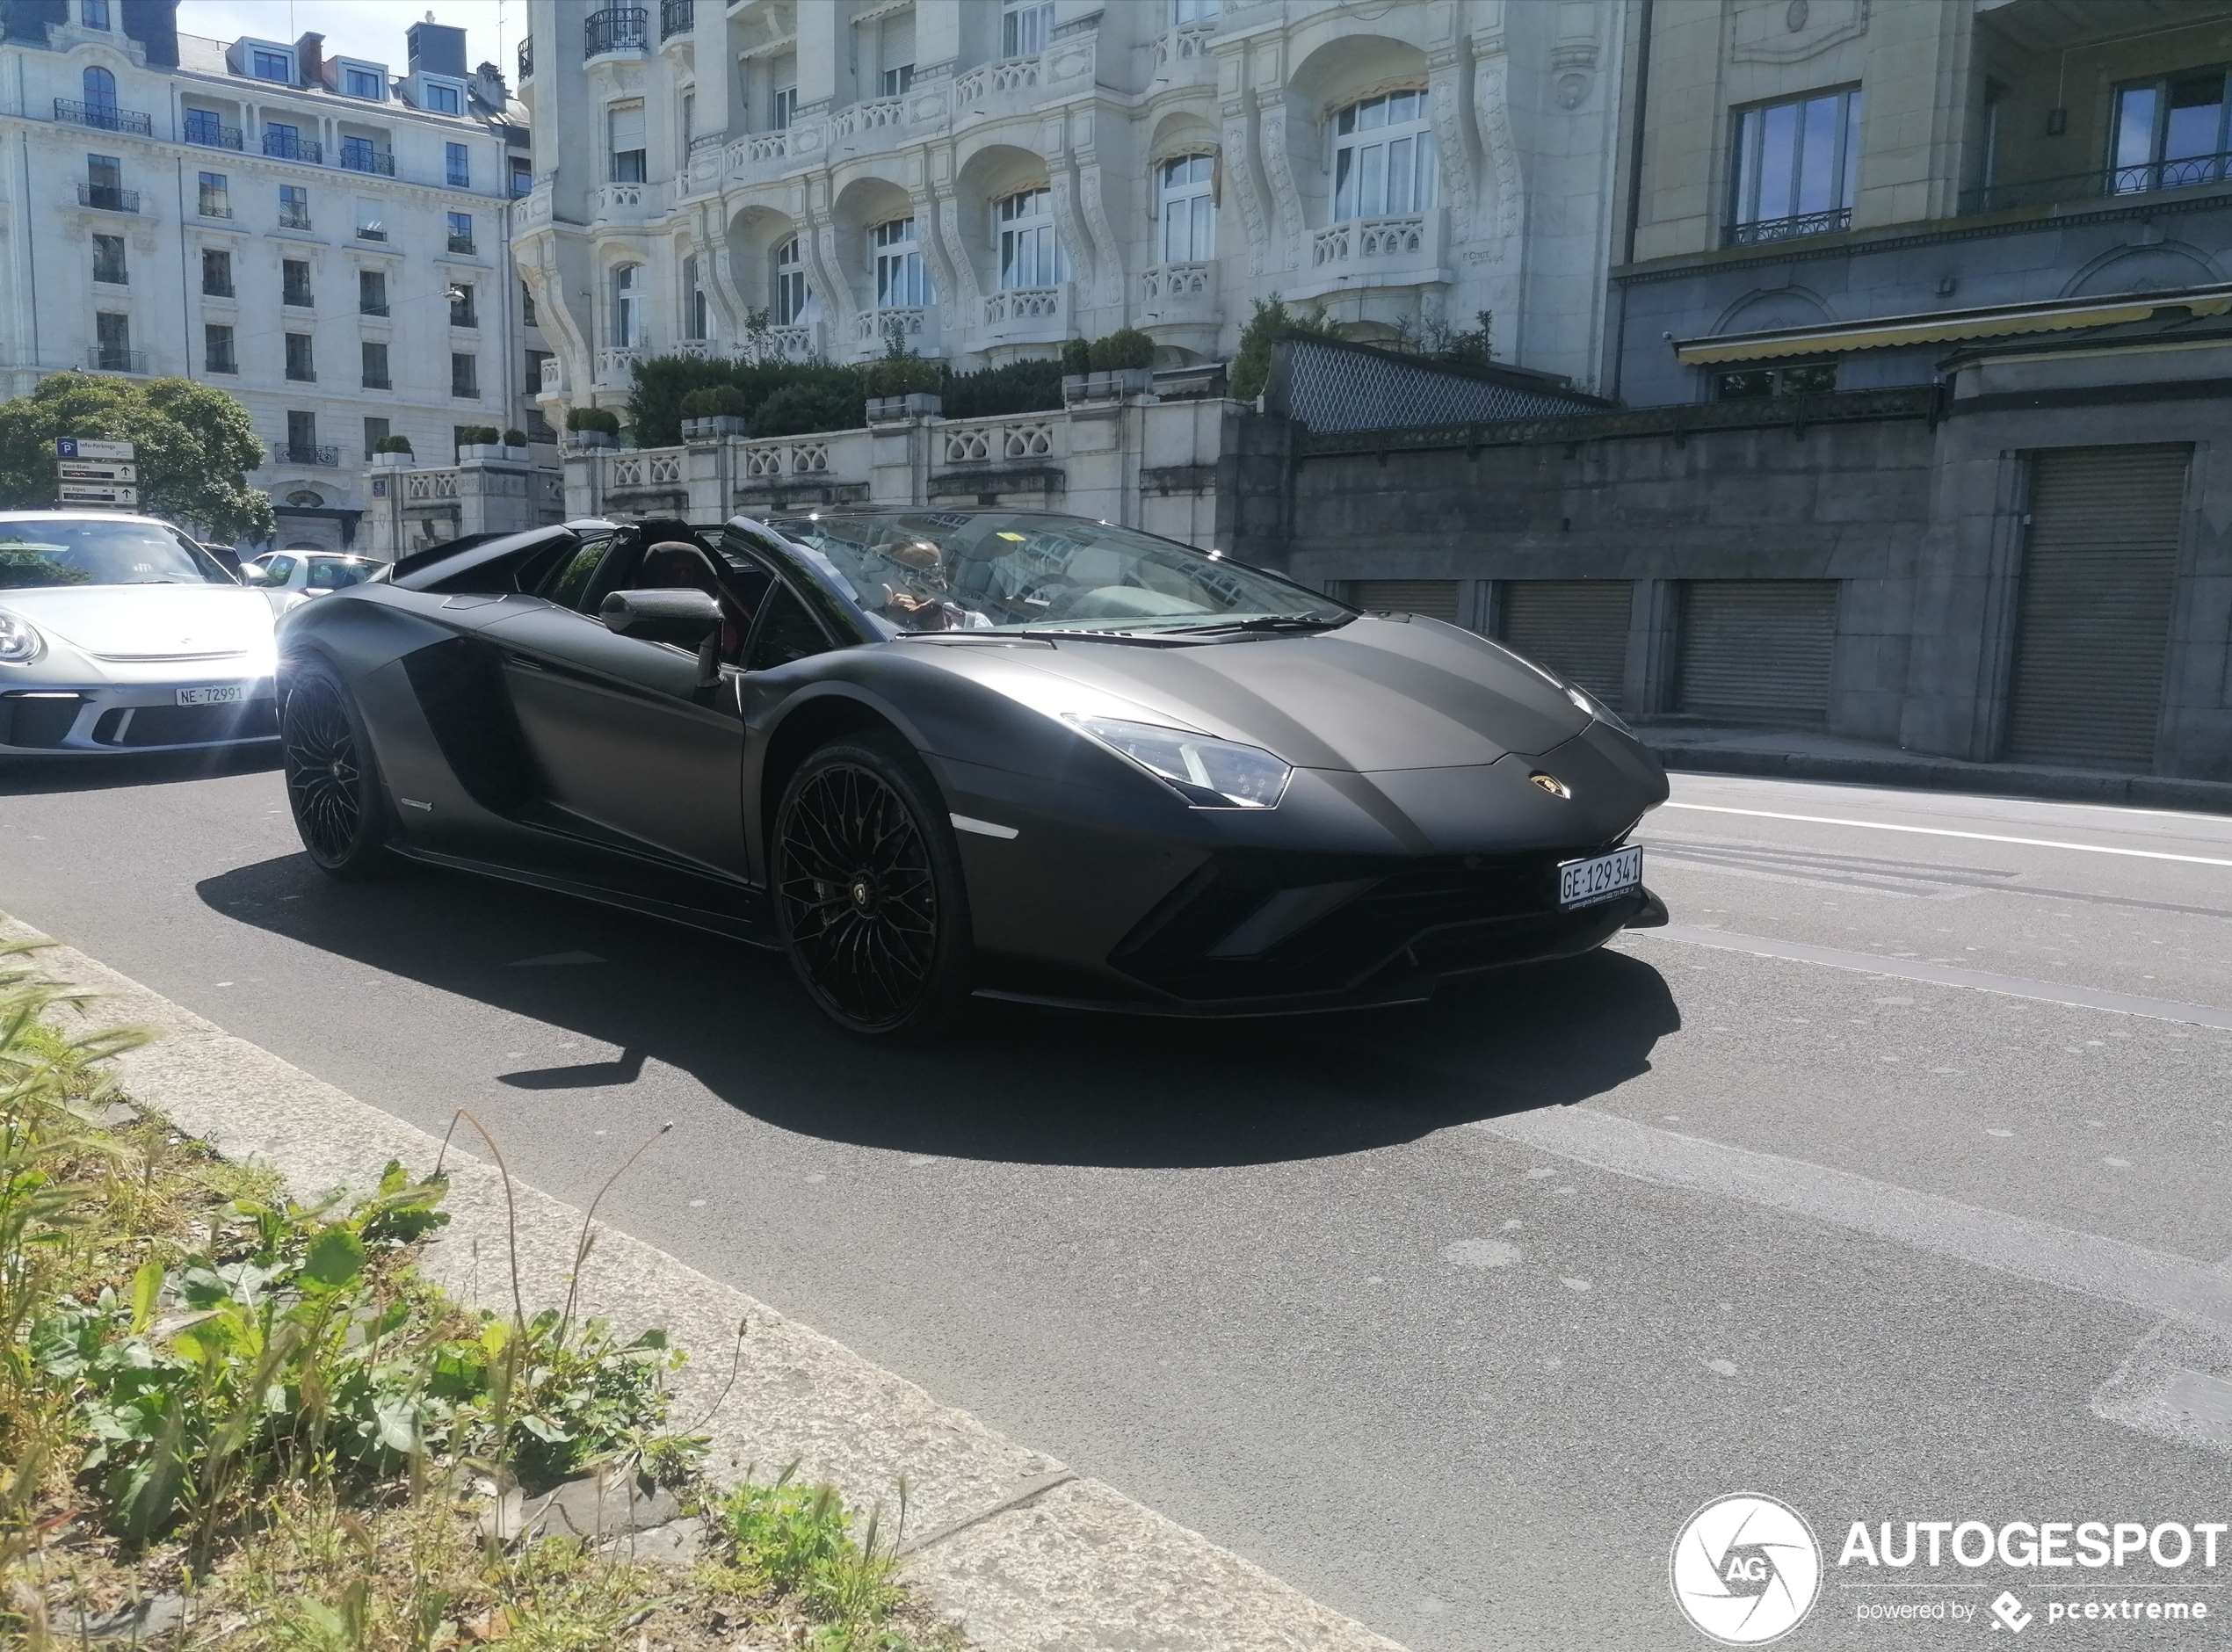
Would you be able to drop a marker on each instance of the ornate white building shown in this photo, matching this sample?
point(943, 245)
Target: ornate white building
point(324, 237)
point(984, 178)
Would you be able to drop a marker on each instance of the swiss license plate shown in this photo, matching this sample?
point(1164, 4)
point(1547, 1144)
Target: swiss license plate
point(224, 694)
point(1586, 882)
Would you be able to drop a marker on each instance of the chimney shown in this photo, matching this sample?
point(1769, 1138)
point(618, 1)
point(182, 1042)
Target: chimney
point(489, 87)
point(309, 58)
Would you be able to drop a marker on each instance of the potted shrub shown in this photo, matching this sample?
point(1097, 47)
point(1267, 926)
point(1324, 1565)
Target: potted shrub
point(1119, 365)
point(592, 427)
point(515, 445)
point(713, 412)
point(1076, 362)
point(393, 452)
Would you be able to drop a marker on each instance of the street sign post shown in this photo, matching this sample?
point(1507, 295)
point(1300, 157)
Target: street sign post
point(80, 470)
point(87, 448)
point(99, 493)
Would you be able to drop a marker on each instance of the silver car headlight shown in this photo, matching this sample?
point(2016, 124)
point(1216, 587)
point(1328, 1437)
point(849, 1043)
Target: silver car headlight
point(1597, 708)
point(1206, 772)
point(20, 642)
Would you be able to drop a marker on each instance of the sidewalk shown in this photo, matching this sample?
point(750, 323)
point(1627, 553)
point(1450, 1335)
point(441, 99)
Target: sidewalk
point(1796, 755)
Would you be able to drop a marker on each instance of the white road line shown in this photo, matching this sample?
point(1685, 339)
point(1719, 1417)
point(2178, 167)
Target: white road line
point(2182, 1287)
point(1947, 975)
point(1945, 831)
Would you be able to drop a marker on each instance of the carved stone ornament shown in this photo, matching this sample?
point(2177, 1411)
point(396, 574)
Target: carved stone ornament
point(1791, 30)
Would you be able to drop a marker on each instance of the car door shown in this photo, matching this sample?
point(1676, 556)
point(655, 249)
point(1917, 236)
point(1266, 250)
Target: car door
point(632, 749)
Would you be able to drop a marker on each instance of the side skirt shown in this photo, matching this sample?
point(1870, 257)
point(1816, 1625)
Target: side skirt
point(737, 913)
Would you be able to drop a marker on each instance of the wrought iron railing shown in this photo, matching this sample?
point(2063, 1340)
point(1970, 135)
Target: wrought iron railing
point(108, 198)
point(528, 58)
point(2193, 171)
point(367, 159)
point(677, 17)
point(461, 244)
point(293, 218)
point(1762, 230)
point(304, 454)
point(616, 29)
point(289, 146)
point(205, 129)
point(113, 358)
point(106, 116)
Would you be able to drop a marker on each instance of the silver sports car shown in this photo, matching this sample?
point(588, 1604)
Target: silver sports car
point(120, 634)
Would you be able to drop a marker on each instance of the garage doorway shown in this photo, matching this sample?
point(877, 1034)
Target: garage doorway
point(2092, 620)
point(1756, 650)
point(1576, 627)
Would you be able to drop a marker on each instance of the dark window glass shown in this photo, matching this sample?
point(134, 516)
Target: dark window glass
point(569, 582)
point(217, 350)
point(216, 272)
point(108, 260)
point(375, 366)
point(376, 431)
point(785, 632)
point(294, 283)
point(372, 292)
point(464, 376)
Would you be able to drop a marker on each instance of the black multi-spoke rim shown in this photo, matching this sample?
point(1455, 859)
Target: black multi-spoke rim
point(859, 900)
point(323, 774)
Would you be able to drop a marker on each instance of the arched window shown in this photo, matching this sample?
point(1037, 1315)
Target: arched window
point(790, 284)
point(1383, 157)
point(100, 88)
point(1030, 252)
point(1189, 209)
point(901, 282)
point(627, 306)
point(306, 498)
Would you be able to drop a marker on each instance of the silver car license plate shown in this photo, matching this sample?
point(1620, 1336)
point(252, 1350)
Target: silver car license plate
point(1586, 882)
point(223, 694)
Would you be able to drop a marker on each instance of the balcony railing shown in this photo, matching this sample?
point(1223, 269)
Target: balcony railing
point(461, 244)
point(371, 232)
point(297, 373)
point(290, 219)
point(211, 133)
point(368, 160)
point(528, 58)
point(382, 382)
point(380, 309)
point(617, 29)
point(1764, 229)
point(109, 359)
point(2195, 171)
point(677, 17)
point(880, 326)
point(286, 146)
point(108, 198)
point(877, 115)
point(304, 454)
point(106, 116)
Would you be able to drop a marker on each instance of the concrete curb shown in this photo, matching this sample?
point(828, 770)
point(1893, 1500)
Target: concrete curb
point(1022, 1553)
point(1951, 774)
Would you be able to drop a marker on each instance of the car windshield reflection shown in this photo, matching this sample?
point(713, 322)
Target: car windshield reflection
point(63, 552)
point(931, 570)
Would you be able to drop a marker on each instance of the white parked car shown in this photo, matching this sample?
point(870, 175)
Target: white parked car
point(289, 578)
point(121, 633)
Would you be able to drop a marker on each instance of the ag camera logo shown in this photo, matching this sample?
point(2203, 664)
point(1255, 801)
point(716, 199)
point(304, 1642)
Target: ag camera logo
point(1746, 1569)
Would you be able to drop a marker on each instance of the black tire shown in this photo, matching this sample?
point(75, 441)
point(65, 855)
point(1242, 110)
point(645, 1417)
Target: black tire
point(333, 785)
point(868, 893)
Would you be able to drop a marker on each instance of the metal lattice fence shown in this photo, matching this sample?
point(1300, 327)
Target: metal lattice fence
point(1329, 386)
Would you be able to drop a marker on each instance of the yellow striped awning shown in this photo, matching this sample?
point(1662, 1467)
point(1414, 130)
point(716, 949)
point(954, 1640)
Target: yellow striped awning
point(1950, 326)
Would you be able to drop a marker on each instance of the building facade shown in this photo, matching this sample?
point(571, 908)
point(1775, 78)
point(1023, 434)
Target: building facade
point(324, 237)
point(982, 179)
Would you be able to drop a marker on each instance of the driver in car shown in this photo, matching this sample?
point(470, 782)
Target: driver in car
point(919, 596)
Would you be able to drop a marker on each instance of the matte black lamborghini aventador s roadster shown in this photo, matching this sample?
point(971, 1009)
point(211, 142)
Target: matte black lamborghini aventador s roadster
point(934, 753)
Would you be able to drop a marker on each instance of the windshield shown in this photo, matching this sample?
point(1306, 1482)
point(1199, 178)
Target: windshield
point(934, 570)
point(66, 552)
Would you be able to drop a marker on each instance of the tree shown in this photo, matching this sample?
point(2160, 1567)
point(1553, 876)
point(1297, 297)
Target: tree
point(194, 445)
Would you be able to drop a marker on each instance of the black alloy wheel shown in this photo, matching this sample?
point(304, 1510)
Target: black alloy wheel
point(332, 785)
point(868, 889)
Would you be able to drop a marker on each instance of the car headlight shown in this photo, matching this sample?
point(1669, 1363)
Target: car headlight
point(1597, 708)
point(1206, 772)
point(19, 643)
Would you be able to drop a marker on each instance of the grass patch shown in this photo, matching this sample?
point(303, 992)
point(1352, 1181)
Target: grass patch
point(228, 1419)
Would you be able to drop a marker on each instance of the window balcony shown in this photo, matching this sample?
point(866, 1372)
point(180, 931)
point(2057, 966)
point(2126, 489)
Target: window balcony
point(380, 161)
point(289, 219)
point(616, 29)
point(2197, 172)
point(304, 454)
point(796, 342)
point(108, 198)
point(1015, 74)
point(210, 133)
point(553, 376)
point(1188, 43)
point(1177, 294)
point(381, 383)
point(461, 245)
point(288, 145)
point(1766, 229)
point(616, 367)
point(296, 373)
point(623, 203)
point(1027, 315)
point(1398, 249)
point(677, 17)
point(528, 59)
point(111, 358)
point(371, 232)
point(881, 114)
point(915, 327)
point(105, 116)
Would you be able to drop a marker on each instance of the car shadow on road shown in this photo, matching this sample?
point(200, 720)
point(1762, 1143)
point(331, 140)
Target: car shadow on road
point(42, 776)
point(1020, 1084)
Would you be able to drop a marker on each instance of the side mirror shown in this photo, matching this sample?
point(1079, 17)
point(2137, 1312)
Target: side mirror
point(684, 616)
point(256, 574)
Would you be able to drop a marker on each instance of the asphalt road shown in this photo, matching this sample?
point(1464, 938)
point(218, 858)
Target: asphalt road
point(1846, 1190)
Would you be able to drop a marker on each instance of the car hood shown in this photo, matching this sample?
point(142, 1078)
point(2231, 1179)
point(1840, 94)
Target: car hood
point(149, 622)
point(1375, 694)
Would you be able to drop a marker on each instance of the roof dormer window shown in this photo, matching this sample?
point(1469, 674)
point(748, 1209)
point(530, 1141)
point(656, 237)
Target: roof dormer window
point(267, 64)
point(364, 81)
point(441, 96)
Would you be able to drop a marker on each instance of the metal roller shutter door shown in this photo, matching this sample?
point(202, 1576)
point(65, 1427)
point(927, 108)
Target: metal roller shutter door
point(2092, 626)
point(1436, 599)
point(1576, 627)
point(1756, 650)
